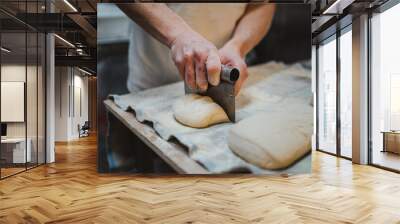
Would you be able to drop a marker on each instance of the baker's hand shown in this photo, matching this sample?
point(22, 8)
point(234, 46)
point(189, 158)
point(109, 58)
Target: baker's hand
point(197, 60)
point(230, 55)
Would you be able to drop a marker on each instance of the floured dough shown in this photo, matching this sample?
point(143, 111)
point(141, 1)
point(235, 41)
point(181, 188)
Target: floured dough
point(271, 140)
point(198, 111)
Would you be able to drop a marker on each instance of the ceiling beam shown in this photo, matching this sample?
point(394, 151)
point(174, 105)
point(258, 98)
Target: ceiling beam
point(81, 61)
point(337, 7)
point(49, 22)
point(86, 27)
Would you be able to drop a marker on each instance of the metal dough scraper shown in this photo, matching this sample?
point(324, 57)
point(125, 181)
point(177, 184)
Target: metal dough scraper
point(224, 93)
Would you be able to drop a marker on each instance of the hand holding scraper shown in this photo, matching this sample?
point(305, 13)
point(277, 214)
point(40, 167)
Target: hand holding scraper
point(224, 93)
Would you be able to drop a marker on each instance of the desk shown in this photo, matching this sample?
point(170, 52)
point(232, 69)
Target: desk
point(391, 141)
point(13, 150)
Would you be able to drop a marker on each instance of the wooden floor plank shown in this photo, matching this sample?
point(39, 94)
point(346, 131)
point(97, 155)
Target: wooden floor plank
point(71, 191)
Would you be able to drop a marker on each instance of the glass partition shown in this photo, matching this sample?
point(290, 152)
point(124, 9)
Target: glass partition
point(22, 77)
point(13, 94)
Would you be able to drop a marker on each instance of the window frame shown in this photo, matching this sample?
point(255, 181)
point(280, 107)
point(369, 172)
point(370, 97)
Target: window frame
point(378, 10)
point(334, 37)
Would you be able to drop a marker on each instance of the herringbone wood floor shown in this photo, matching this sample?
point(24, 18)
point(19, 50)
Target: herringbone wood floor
point(71, 191)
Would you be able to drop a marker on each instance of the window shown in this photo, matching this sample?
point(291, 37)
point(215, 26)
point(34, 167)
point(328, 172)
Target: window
point(327, 96)
point(385, 89)
point(346, 93)
point(394, 102)
point(334, 106)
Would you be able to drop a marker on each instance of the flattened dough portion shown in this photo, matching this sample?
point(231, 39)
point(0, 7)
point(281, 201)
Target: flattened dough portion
point(198, 111)
point(271, 141)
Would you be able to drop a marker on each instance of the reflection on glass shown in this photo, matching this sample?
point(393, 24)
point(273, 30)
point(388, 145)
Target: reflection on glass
point(346, 94)
point(386, 88)
point(327, 97)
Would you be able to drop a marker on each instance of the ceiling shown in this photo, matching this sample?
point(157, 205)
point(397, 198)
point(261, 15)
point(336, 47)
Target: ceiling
point(74, 22)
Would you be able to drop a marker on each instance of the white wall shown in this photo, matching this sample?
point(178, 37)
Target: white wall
point(71, 94)
point(14, 73)
point(17, 73)
point(62, 81)
point(80, 103)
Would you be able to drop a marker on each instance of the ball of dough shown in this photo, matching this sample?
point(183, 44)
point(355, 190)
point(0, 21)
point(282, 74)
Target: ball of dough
point(198, 111)
point(271, 141)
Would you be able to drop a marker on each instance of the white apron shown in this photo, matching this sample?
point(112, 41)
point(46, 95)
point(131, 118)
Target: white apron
point(150, 62)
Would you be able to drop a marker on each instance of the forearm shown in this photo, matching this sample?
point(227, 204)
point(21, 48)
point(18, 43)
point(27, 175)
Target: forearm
point(157, 19)
point(252, 27)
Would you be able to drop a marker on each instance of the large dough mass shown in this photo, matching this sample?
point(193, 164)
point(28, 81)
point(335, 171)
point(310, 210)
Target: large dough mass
point(198, 111)
point(271, 141)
